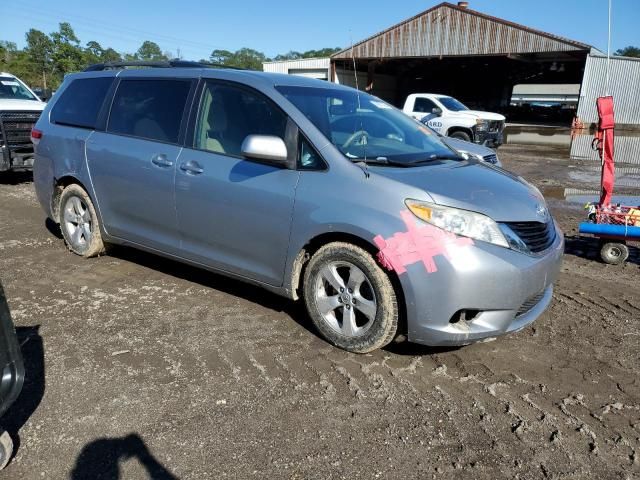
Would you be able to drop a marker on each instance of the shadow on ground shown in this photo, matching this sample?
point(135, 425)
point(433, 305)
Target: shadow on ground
point(32, 392)
point(101, 459)
point(15, 178)
point(215, 281)
point(589, 248)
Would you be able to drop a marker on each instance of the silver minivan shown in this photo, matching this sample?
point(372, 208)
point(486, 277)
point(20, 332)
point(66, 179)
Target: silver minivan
point(309, 189)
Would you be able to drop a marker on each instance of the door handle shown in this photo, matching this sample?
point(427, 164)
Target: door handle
point(161, 160)
point(191, 167)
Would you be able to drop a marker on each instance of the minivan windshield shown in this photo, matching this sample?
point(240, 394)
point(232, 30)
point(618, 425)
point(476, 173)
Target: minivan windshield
point(452, 104)
point(13, 89)
point(363, 127)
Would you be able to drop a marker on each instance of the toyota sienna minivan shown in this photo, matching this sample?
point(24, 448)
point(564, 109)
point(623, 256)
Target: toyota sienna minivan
point(309, 189)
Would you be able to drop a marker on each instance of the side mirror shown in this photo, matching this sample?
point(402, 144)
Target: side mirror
point(436, 111)
point(268, 148)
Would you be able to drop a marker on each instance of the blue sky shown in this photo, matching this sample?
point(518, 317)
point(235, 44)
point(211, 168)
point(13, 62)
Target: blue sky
point(277, 26)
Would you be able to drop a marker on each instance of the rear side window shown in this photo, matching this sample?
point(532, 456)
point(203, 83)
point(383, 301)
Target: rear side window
point(150, 109)
point(80, 103)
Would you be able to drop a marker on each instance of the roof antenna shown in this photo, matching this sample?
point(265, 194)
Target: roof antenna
point(363, 164)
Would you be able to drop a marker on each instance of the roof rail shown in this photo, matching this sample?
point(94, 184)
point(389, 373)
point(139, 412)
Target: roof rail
point(175, 63)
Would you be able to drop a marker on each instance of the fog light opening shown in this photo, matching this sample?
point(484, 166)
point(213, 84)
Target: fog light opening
point(464, 316)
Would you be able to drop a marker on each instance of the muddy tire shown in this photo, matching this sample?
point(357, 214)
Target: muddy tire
point(79, 223)
point(350, 299)
point(6, 449)
point(461, 136)
point(614, 253)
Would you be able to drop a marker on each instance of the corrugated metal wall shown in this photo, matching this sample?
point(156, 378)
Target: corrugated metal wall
point(627, 148)
point(449, 30)
point(302, 64)
point(624, 85)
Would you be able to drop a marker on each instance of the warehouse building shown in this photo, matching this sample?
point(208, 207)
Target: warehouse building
point(479, 59)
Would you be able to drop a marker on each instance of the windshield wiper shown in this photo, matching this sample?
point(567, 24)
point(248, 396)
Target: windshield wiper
point(371, 161)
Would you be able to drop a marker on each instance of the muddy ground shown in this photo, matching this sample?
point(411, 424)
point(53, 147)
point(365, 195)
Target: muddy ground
point(139, 367)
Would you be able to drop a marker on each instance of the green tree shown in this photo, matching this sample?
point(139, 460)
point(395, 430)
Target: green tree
point(67, 55)
point(39, 52)
point(93, 52)
point(110, 55)
point(243, 58)
point(7, 51)
point(290, 55)
point(323, 52)
point(628, 52)
point(220, 56)
point(150, 51)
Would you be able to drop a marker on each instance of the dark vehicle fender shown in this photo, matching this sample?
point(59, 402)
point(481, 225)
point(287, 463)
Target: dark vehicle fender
point(11, 363)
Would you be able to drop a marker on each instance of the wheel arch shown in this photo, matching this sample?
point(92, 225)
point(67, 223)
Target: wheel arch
point(458, 128)
point(314, 244)
point(59, 185)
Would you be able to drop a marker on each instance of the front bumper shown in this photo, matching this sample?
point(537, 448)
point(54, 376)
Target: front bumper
point(16, 158)
point(488, 139)
point(502, 290)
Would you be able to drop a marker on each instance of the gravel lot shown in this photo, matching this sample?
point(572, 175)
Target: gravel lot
point(140, 367)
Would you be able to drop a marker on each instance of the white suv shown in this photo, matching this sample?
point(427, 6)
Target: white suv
point(20, 108)
point(451, 118)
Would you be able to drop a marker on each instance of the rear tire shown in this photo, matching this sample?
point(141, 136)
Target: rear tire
point(614, 253)
point(79, 223)
point(350, 299)
point(6, 449)
point(461, 136)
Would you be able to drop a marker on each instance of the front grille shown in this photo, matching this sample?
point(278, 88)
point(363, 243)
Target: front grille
point(529, 304)
point(537, 236)
point(492, 159)
point(15, 127)
point(496, 125)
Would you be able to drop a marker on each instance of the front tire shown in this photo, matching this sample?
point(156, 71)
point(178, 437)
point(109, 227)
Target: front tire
point(350, 299)
point(461, 136)
point(79, 223)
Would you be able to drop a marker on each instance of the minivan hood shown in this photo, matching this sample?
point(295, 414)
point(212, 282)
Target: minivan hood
point(465, 146)
point(16, 105)
point(474, 186)
point(480, 114)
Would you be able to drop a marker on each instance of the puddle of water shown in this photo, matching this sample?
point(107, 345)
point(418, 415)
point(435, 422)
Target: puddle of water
point(537, 135)
point(627, 142)
point(574, 195)
point(625, 176)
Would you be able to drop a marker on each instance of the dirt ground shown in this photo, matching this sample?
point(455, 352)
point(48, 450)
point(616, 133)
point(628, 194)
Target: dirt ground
point(140, 367)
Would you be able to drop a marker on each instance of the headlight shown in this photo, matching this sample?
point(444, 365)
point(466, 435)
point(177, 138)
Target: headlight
point(481, 125)
point(461, 222)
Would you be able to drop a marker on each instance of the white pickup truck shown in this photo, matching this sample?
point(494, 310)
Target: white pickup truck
point(20, 108)
point(451, 118)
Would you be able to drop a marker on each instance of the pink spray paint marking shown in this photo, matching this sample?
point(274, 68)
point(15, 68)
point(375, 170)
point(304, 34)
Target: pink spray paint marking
point(418, 244)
